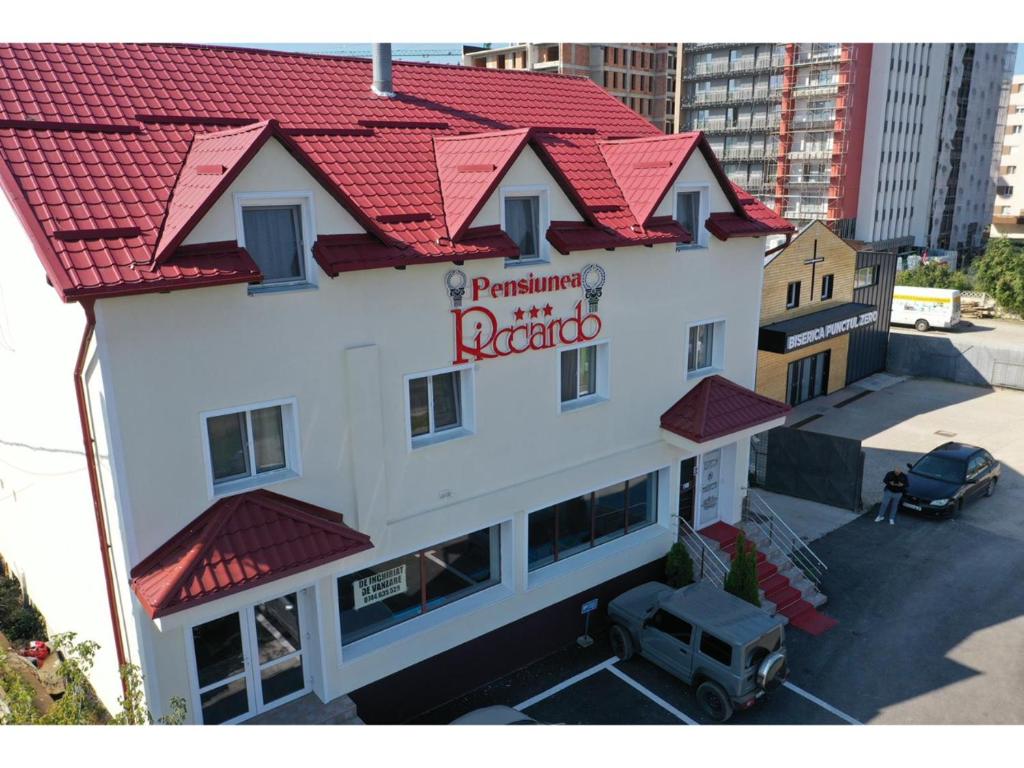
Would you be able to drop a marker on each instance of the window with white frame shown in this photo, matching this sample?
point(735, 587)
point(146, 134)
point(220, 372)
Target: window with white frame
point(250, 660)
point(251, 446)
point(524, 218)
point(583, 375)
point(691, 211)
point(440, 405)
point(277, 232)
point(705, 348)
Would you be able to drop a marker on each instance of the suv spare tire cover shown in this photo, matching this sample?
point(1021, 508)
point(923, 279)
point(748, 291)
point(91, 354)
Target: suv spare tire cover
point(772, 671)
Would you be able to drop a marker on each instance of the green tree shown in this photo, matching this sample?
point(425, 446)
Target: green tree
point(935, 274)
point(1001, 274)
point(742, 577)
point(678, 566)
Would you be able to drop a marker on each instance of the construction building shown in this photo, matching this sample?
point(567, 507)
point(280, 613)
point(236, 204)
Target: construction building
point(637, 74)
point(1008, 216)
point(888, 143)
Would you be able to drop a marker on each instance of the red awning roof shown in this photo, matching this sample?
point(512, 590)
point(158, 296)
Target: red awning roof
point(124, 144)
point(717, 407)
point(241, 542)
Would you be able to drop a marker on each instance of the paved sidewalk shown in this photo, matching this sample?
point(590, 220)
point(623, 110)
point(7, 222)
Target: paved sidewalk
point(809, 519)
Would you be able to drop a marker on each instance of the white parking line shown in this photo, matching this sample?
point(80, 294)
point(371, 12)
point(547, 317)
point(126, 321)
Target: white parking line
point(566, 683)
point(824, 705)
point(652, 696)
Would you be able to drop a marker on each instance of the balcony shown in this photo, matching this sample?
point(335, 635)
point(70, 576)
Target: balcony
point(739, 96)
point(816, 88)
point(806, 213)
point(811, 153)
point(811, 120)
point(719, 125)
point(822, 55)
point(742, 65)
point(747, 154)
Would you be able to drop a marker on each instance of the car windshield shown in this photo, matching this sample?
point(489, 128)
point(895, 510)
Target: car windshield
point(940, 468)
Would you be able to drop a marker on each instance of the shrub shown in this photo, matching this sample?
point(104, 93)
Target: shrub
point(25, 623)
point(935, 274)
point(678, 566)
point(1001, 274)
point(742, 577)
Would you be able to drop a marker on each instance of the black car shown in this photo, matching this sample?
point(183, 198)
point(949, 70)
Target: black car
point(941, 482)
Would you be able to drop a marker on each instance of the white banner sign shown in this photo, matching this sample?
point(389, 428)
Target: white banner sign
point(379, 587)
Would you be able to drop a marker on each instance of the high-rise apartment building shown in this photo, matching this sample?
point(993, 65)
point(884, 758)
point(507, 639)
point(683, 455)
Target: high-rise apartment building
point(635, 73)
point(1008, 216)
point(888, 143)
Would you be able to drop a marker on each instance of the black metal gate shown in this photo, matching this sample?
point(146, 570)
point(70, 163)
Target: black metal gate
point(808, 465)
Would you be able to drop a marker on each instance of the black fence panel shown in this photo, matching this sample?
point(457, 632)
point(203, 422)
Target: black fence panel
point(809, 465)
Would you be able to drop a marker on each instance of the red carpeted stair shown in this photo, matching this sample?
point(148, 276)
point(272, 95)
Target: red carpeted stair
point(776, 587)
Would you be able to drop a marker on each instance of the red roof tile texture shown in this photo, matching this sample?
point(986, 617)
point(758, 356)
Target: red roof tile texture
point(716, 407)
point(111, 137)
point(240, 542)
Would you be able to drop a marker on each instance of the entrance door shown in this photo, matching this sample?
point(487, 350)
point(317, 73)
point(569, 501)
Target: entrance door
point(687, 489)
point(808, 377)
point(708, 492)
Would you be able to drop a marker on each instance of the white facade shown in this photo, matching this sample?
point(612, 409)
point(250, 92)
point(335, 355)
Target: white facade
point(340, 355)
point(1009, 201)
point(932, 124)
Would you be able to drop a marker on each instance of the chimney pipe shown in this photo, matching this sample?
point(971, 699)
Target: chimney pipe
point(382, 82)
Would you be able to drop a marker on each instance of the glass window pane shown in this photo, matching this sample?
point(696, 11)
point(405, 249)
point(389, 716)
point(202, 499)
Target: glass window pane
point(273, 237)
point(277, 628)
point(642, 501)
point(609, 513)
point(268, 439)
point(218, 647)
point(419, 418)
point(691, 352)
point(446, 401)
point(541, 533)
point(588, 371)
point(379, 597)
point(574, 526)
point(225, 703)
point(522, 224)
point(461, 566)
point(570, 359)
point(229, 446)
point(279, 680)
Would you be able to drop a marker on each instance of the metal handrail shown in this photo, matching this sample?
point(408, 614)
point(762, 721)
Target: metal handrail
point(706, 563)
point(778, 532)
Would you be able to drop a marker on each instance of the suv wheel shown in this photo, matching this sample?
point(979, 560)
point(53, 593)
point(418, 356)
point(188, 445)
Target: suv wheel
point(991, 488)
point(622, 643)
point(714, 701)
point(922, 325)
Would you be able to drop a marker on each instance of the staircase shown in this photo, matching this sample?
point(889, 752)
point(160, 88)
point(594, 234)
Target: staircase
point(787, 589)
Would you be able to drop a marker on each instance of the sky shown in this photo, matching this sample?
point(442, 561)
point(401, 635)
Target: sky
point(1020, 59)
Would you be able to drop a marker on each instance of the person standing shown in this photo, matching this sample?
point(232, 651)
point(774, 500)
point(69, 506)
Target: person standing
point(895, 486)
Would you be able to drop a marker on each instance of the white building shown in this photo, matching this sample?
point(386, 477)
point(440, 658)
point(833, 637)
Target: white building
point(1008, 216)
point(487, 322)
point(932, 128)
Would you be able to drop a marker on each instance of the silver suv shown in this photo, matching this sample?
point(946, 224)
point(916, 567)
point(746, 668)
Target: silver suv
point(730, 651)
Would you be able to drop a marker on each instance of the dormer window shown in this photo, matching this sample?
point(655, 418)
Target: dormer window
point(691, 211)
point(273, 237)
point(277, 231)
point(524, 218)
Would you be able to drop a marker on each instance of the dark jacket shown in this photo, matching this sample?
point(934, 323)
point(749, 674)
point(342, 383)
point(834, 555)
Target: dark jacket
point(896, 482)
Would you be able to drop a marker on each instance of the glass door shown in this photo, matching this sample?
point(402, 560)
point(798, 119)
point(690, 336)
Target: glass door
point(277, 638)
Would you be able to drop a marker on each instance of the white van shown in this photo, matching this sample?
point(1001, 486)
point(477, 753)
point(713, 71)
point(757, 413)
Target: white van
point(925, 308)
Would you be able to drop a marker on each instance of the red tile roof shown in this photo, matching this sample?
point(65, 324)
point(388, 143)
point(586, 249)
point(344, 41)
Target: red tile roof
point(108, 142)
point(718, 407)
point(241, 542)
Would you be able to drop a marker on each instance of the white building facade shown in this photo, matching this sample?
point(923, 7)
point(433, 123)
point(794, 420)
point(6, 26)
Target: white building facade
point(494, 431)
point(1008, 214)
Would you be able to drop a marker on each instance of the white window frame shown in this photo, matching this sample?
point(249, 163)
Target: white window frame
point(658, 527)
point(540, 191)
point(700, 237)
point(601, 378)
point(426, 622)
point(307, 214)
point(308, 600)
point(467, 395)
point(292, 457)
point(717, 349)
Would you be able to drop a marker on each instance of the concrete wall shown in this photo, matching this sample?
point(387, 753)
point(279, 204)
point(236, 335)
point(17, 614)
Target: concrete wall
point(343, 350)
point(47, 524)
point(941, 356)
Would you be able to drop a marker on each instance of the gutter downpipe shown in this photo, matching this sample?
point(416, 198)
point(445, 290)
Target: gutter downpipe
point(94, 482)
